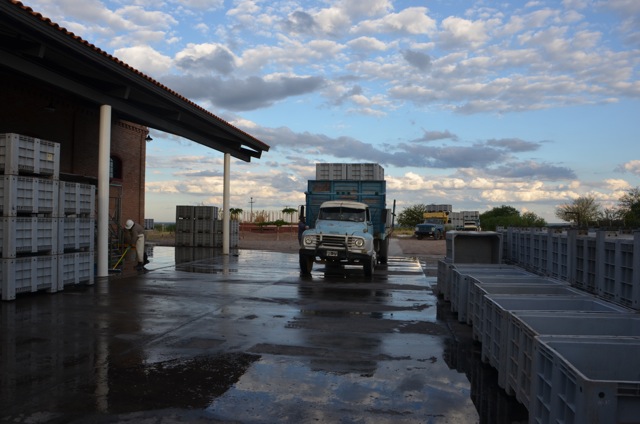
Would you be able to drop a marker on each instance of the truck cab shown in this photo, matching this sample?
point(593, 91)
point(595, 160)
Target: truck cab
point(343, 234)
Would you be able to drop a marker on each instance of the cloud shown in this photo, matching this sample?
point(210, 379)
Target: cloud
point(205, 58)
point(243, 94)
point(633, 166)
point(412, 20)
point(419, 60)
point(514, 144)
point(145, 59)
point(462, 33)
point(436, 135)
point(530, 169)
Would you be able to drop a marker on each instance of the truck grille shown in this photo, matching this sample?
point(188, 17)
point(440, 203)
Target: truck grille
point(336, 241)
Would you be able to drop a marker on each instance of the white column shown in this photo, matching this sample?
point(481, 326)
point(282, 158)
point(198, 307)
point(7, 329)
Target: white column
point(225, 206)
point(104, 155)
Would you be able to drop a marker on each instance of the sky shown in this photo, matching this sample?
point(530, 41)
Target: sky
point(476, 104)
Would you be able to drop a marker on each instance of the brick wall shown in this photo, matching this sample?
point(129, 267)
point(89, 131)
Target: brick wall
point(37, 110)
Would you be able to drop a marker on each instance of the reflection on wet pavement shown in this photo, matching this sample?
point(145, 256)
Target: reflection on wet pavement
point(243, 338)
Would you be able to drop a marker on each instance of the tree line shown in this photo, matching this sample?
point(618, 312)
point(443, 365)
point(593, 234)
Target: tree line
point(582, 212)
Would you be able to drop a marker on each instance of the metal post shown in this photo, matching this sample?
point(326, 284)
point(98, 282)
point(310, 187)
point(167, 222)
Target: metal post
point(104, 155)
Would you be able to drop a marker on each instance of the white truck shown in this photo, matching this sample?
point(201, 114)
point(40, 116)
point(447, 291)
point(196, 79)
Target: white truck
point(349, 225)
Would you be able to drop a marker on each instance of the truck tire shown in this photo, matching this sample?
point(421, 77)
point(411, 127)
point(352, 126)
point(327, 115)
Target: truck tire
point(383, 257)
point(419, 237)
point(369, 265)
point(306, 263)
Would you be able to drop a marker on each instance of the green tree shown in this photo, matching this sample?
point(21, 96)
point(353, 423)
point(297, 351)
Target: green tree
point(290, 211)
point(500, 216)
point(530, 219)
point(629, 208)
point(582, 211)
point(234, 212)
point(411, 216)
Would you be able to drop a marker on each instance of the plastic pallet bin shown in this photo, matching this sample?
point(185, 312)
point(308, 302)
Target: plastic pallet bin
point(475, 294)
point(474, 247)
point(28, 274)
point(28, 195)
point(461, 287)
point(496, 310)
point(76, 199)
point(525, 326)
point(449, 269)
point(75, 234)
point(23, 235)
point(185, 225)
point(184, 238)
point(585, 380)
point(22, 154)
point(204, 226)
point(205, 212)
point(184, 212)
point(75, 268)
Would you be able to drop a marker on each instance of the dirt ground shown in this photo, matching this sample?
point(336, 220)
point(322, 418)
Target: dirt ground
point(426, 249)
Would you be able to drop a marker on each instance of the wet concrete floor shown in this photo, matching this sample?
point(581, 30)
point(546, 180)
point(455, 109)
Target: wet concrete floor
point(202, 337)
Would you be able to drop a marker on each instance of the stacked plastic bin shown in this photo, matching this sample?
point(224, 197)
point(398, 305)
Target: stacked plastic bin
point(47, 230)
point(29, 190)
point(76, 229)
point(199, 226)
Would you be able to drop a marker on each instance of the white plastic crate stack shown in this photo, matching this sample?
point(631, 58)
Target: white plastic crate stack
point(76, 233)
point(199, 226)
point(29, 231)
point(349, 171)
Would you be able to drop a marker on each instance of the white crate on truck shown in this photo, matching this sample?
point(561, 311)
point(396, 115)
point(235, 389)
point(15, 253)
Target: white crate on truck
point(76, 233)
point(28, 195)
point(585, 380)
point(498, 307)
point(22, 154)
point(525, 326)
point(76, 199)
point(22, 235)
point(75, 268)
point(349, 171)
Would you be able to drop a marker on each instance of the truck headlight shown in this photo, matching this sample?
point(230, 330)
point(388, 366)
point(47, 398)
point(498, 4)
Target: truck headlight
point(359, 242)
point(309, 240)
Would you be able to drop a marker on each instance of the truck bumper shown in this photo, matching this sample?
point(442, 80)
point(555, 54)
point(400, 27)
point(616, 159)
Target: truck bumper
point(324, 255)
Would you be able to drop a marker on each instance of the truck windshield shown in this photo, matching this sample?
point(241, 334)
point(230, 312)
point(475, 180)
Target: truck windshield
point(342, 214)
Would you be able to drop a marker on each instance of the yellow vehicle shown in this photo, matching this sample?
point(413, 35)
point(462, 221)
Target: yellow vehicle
point(433, 225)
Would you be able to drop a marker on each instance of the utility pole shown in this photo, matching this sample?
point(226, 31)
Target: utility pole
point(251, 203)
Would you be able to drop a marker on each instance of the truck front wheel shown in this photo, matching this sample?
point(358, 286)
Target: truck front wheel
point(369, 265)
point(306, 263)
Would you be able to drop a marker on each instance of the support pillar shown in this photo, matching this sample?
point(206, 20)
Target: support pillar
point(104, 156)
point(226, 216)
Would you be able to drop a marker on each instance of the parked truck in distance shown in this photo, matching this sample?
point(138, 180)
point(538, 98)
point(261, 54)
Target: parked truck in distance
point(349, 224)
point(433, 225)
